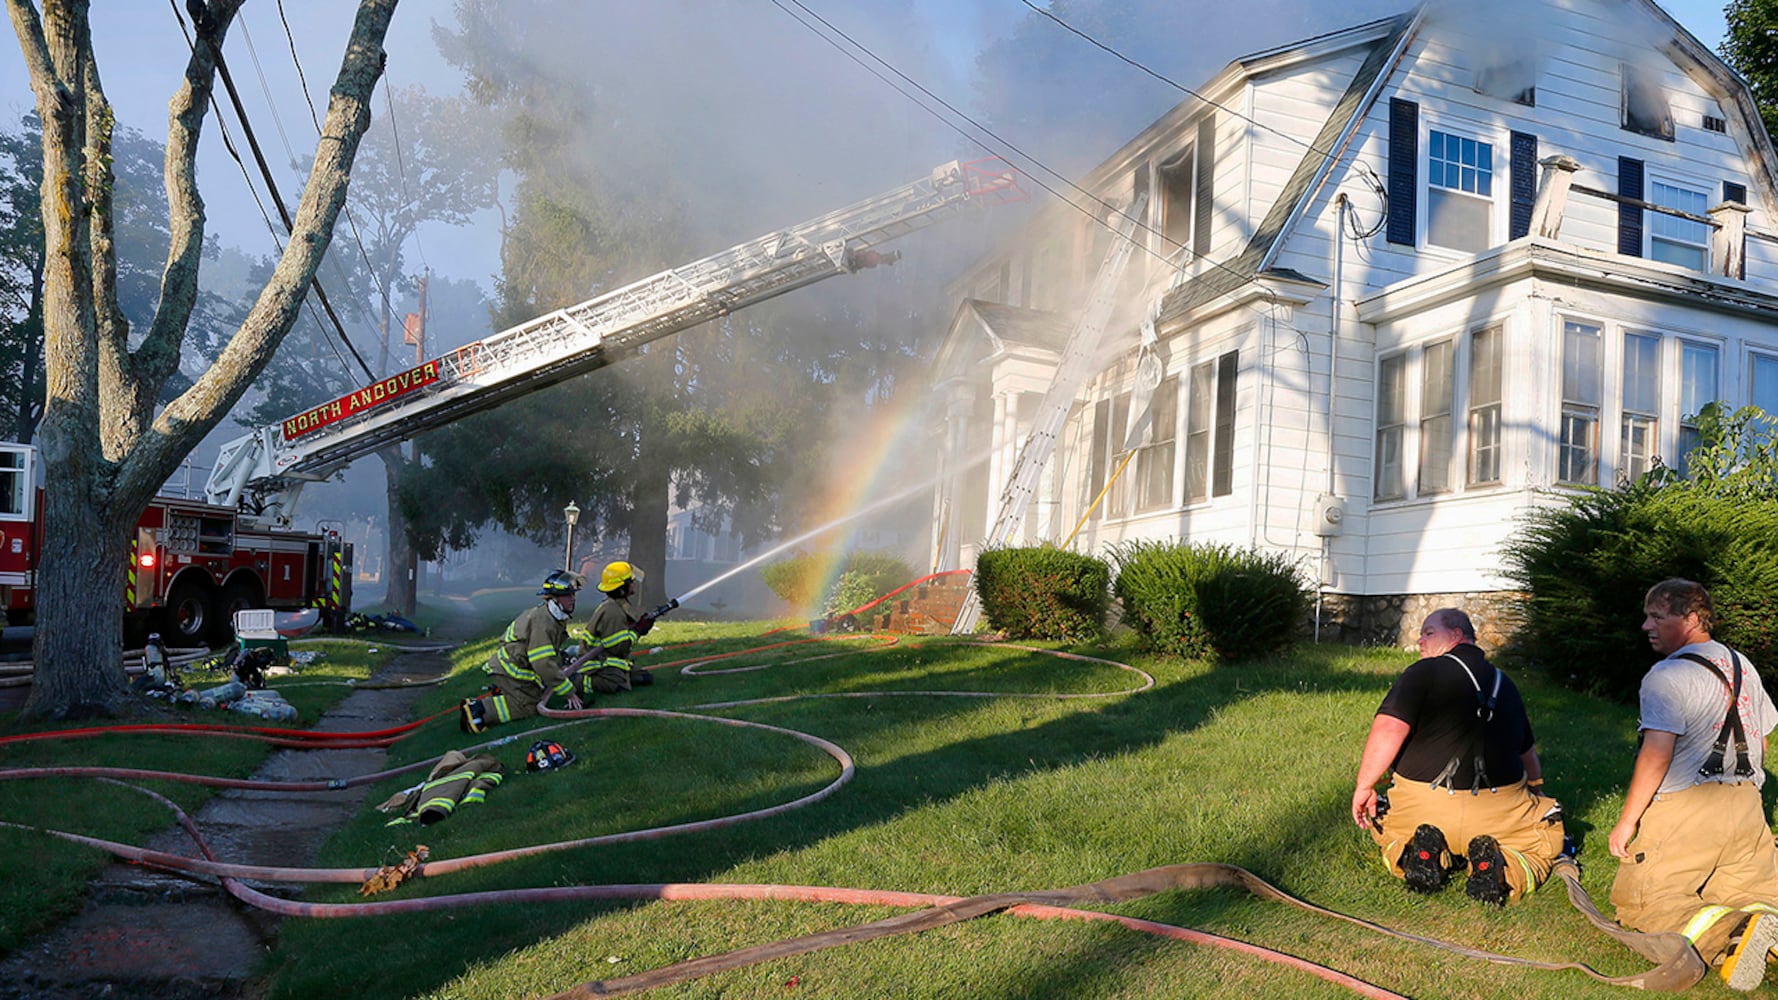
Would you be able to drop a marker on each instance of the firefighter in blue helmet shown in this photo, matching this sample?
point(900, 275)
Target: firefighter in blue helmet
point(528, 666)
point(615, 627)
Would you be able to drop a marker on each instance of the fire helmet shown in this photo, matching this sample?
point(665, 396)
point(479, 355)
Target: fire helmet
point(560, 584)
point(547, 755)
point(617, 574)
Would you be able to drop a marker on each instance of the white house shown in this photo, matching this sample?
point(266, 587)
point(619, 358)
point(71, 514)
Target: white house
point(1527, 256)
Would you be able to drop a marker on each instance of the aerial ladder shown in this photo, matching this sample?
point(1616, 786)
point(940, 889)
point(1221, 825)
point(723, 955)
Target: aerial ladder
point(1080, 361)
point(262, 473)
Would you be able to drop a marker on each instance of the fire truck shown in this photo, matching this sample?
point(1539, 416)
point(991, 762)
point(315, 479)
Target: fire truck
point(195, 562)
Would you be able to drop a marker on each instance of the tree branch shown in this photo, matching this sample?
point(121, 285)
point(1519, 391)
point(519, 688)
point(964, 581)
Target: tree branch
point(184, 422)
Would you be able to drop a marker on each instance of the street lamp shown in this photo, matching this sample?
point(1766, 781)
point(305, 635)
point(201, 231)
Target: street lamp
point(572, 513)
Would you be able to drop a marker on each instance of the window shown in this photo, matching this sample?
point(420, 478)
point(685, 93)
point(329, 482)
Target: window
point(1644, 103)
point(1697, 386)
point(1117, 501)
point(1096, 458)
point(1577, 453)
point(1459, 192)
point(728, 547)
point(12, 483)
point(1484, 406)
point(1764, 381)
point(1178, 190)
point(1435, 418)
point(1210, 429)
point(1638, 432)
point(1392, 419)
point(1675, 240)
point(1510, 80)
point(1154, 457)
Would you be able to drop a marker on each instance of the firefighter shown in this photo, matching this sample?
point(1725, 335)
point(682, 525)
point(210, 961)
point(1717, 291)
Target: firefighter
point(527, 667)
point(615, 627)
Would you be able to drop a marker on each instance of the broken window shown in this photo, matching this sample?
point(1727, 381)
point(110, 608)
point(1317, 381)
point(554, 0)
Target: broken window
point(1645, 107)
point(1510, 80)
point(1178, 191)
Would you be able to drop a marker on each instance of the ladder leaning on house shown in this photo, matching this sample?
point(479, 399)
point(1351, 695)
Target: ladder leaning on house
point(1079, 362)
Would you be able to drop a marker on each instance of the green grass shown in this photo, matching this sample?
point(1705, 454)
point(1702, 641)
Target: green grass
point(1249, 765)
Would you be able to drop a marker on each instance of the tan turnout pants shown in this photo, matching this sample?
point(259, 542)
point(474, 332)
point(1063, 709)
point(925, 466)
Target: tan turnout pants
point(1699, 857)
point(1530, 834)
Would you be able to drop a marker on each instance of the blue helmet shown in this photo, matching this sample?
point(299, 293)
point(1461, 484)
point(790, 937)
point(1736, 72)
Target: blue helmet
point(560, 584)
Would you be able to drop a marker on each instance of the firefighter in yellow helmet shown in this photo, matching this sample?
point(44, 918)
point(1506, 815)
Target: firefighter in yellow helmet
point(615, 626)
point(527, 667)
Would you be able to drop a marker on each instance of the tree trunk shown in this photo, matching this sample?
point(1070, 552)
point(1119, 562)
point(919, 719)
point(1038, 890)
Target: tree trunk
point(84, 558)
point(403, 573)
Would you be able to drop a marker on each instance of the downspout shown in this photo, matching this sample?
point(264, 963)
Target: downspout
point(1333, 364)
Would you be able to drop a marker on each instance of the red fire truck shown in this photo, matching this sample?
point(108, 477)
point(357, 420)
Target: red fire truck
point(196, 562)
point(193, 564)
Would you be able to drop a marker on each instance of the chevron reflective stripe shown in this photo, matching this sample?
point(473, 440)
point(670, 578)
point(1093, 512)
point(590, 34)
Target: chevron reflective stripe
point(336, 586)
point(514, 670)
point(129, 588)
point(1703, 920)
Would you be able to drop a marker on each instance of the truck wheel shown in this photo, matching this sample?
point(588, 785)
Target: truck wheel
point(189, 615)
point(239, 595)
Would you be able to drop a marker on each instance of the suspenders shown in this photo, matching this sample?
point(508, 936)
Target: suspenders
point(1731, 722)
point(1484, 714)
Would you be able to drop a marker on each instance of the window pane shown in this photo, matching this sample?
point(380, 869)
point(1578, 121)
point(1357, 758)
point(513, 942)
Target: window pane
point(1642, 376)
point(1636, 446)
point(1154, 464)
point(1577, 453)
point(1197, 443)
point(1484, 406)
point(1458, 221)
point(1222, 467)
point(1697, 378)
point(1391, 406)
point(1765, 384)
point(12, 482)
point(1435, 418)
point(1580, 363)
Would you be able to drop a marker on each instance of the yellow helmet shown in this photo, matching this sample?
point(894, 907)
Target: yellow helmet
point(617, 574)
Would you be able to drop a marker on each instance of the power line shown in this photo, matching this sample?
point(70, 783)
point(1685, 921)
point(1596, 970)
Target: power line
point(400, 164)
point(265, 171)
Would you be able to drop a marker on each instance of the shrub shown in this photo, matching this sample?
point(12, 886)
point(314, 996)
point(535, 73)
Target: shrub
point(864, 577)
point(1587, 565)
point(1043, 593)
point(1210, 601)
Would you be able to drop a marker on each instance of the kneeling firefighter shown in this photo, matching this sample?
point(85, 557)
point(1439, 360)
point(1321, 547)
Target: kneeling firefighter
point(527, 666)
point(615, 627)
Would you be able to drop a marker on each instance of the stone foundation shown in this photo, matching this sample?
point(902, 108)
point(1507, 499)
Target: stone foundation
point(1394, 619)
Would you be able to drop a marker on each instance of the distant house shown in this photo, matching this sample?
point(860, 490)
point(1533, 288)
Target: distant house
point(1526, 259)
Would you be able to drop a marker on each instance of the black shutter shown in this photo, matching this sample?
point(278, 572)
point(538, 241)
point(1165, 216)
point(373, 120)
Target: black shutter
point(1524, 184)
point(1629, 217)
point(1734, 192)
point(1204, 213)
point(1404, 169)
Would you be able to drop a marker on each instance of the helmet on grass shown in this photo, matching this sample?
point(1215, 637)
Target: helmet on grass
point(547, 755)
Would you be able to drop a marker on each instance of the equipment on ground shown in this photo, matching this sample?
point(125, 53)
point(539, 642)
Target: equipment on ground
point(547, 755)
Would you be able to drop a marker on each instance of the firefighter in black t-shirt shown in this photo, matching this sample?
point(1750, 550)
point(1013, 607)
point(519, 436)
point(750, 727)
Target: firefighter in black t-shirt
point(1454, 732)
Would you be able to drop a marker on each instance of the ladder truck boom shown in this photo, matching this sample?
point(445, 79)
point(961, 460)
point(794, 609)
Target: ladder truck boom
point(262, 472)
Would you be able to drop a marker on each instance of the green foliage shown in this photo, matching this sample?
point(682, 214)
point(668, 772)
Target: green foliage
point(1750, 44)
point(1210, 601)
point(1043, 593)
point(1736, 455)
point(1587, 565)
point(863, 577)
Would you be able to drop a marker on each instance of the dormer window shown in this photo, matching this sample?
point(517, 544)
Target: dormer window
point(1645, 107)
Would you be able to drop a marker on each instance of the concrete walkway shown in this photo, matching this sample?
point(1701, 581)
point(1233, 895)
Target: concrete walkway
point(153, 935)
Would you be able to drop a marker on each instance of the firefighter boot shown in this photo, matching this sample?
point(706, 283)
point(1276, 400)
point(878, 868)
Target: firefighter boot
point(472, 716)
point(1426, 861)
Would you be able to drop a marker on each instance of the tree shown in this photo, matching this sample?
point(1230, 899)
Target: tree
point(1750, 45)
point(106, 445)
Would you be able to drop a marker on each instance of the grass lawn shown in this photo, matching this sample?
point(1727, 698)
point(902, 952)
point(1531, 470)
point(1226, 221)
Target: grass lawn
point(1249, 765)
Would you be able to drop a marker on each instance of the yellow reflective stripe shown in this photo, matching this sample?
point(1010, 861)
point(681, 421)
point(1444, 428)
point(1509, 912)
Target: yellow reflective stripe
point(476, 795)
point(1702, 921)
point(515, 670)
point(1530, 874)
point(539, 653)
point(627, 635)
point(444, 802)
point(1759, 908)
point(491, 777)
point(618, 663)
point(564, 688)
point(500, 708)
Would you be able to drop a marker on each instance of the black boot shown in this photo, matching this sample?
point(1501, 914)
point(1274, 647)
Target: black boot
point(1425, 862)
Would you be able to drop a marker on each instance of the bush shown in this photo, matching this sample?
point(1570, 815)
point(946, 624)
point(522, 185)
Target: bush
point(1210, 601)
point(864, 577)
point(1043, 593)
point(1588, 564)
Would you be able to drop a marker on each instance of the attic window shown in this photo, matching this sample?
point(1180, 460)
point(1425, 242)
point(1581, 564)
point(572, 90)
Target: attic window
point(1715, 124)
point(1178, 186)
point(1510, 80)
point(1645, 103)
